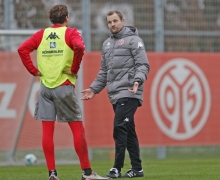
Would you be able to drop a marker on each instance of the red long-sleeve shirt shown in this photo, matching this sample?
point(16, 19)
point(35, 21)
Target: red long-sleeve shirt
point(73, 40)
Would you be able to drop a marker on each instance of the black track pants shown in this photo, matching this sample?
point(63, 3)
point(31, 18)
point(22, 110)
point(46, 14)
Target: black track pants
point(124, 132)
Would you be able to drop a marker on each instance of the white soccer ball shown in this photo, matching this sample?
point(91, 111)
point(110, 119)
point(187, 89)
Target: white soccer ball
point(30, 159)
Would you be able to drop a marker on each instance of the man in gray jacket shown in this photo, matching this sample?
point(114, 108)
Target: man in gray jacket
point(124, 69)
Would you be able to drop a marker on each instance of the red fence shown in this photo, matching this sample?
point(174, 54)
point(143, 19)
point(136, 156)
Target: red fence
point(181, 103)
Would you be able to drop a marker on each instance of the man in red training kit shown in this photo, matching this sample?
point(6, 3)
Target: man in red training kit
point(59, 53)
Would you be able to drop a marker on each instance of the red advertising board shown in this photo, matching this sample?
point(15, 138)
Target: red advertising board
point(181, 103)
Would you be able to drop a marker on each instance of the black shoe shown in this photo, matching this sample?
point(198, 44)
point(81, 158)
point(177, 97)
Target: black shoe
point(53, 175)
point(113, 173)
point(131, 173)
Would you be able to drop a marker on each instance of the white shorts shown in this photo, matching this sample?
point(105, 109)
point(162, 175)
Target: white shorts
point(57, 103)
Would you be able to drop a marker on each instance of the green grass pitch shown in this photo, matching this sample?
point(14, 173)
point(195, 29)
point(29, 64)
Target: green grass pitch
point(166, 169)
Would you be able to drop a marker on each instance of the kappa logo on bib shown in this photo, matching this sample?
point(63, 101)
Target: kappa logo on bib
point(180, 99)
point(53, 35)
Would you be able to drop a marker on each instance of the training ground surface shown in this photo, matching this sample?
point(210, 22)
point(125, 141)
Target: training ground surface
point(177, 169)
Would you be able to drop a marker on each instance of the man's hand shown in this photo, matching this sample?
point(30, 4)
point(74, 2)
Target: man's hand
point(70, 73)
point(135, 87)
point(87, 94)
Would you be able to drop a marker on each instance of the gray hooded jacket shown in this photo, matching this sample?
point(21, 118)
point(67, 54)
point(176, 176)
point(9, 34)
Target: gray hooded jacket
point(123, 62)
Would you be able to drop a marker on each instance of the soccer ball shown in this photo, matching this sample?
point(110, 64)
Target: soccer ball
point(30, 159)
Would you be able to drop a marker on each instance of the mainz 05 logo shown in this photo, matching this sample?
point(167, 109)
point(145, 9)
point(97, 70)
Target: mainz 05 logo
point(53, 36)
point(180, 99)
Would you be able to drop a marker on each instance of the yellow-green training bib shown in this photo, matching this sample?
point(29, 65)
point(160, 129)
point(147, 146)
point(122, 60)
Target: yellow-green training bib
point(53, 57)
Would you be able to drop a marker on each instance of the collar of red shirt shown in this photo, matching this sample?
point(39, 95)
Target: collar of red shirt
point(56, 26)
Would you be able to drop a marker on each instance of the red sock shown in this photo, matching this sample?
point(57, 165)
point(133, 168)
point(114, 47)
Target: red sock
point(48, 144)
point(80, 143)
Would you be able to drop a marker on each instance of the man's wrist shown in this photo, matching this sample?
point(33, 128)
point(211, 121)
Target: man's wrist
point(138, 81)
point(92, 90)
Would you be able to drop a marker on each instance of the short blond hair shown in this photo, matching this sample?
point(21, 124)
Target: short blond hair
point(115, 12)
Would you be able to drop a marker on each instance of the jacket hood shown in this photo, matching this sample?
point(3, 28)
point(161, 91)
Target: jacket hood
point(125, 31)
